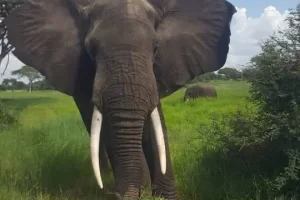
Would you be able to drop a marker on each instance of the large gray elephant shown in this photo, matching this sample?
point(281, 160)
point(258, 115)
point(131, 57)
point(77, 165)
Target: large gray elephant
point(117, 59)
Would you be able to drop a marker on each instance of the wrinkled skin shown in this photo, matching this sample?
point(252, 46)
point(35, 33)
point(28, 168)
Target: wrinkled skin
point(197, 91)
point(123, 56)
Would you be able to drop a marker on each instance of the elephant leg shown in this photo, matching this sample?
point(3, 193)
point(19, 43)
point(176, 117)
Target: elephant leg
point(85, 107)
point(162, 185)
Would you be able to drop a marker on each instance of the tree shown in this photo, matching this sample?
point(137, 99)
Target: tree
point(27, 72)
point(208, 76)
point(6, 6)
point(13, 84)
point(230, 73)
point(248, 72)
point(9, 83)
point(42, 85)
point(19, 85)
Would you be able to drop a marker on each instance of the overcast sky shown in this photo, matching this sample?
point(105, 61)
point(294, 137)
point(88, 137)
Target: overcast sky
point(254, 21)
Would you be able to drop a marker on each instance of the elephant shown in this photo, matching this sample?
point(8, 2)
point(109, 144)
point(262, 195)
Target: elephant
point(118, 59)
point(196, 91)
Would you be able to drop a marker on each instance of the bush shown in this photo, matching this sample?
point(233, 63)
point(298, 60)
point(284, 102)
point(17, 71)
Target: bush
point(275, 88)
point(266, 141)
point(6, 118)
point(242, 142)
point(2, 88)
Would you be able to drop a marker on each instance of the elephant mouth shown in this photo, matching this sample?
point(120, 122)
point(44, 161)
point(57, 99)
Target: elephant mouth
point(96, 126)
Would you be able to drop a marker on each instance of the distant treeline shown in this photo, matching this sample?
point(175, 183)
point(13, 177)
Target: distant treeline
point(225, 73)
point(12, 84)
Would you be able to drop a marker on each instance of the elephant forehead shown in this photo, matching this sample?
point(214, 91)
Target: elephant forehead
point(130, 5)
point(140, 9)
point(144, 3)
point(117, 10)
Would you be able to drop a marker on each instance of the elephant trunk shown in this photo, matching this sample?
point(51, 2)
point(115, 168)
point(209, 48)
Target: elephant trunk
point(126, 129)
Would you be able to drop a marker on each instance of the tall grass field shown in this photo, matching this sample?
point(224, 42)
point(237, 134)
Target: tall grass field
point(45, 156)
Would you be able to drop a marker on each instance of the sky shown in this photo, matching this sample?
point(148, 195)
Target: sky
point(256, 7)
point(254, 21)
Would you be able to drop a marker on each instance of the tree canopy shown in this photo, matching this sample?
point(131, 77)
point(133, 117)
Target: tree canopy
point(12, 84)
point(230, 73)
point(27, 72)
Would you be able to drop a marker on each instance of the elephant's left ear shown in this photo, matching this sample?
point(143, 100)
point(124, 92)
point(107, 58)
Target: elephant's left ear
point(194, 37)
point(48, 35)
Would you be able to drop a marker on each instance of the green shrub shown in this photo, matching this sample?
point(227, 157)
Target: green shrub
point(245, 150)
point(6, 118)
point(2, 88)
point(265, 142)
point(275, 88)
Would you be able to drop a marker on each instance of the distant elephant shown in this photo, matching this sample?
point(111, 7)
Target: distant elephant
point(196, 91)
point(117, 59)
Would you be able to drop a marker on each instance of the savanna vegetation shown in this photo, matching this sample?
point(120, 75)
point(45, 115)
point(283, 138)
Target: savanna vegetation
point(242, 145)
point(46, 155)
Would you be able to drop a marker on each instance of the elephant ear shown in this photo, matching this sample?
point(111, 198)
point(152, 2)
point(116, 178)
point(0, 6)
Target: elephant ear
point(47, 37)
point(194, 37)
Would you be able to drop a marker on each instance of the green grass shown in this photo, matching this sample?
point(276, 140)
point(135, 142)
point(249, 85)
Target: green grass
point(47, 155)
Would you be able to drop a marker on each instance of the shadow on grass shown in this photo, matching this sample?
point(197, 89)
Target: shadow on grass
point(71, 176)
point(66, 169)
point(215, 175)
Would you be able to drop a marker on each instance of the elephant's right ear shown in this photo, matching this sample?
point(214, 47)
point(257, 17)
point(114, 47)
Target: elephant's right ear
point(194, 37)
point(46, 36)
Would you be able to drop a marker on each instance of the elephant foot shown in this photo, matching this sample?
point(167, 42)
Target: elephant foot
point(117, 196)
point(166, 191)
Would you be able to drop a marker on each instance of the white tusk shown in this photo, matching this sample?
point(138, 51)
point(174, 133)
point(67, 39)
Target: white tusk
point(160, 141)
point(95, 142)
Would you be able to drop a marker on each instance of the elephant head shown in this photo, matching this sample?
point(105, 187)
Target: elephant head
point(117, 58)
